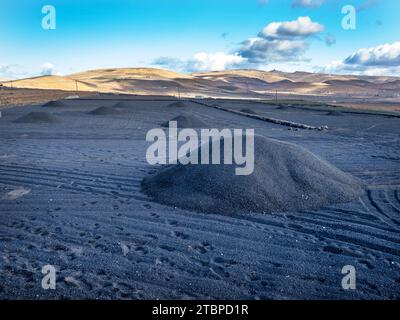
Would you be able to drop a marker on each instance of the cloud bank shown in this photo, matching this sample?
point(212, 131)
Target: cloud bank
point(283, 41)
point(379, 60)
point(202, 61)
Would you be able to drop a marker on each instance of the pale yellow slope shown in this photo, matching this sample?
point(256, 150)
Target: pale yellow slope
point(158, 81)
point(127, 73)
point(258, 74)
point(53, 82)
point(102, 80)
point(123, 79)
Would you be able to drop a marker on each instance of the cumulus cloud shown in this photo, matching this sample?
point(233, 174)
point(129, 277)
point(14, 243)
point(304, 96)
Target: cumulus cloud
point(381, 60)
point(260, 50)
point(202, 61)
point(307, 3)
point(215, 61)
point(280, 41)
point(277, 42)
point(302, 27)
point(47, 69)
point(339, 67)
point(384, 55)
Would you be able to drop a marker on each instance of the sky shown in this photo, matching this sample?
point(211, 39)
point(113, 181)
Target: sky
point(200, 35)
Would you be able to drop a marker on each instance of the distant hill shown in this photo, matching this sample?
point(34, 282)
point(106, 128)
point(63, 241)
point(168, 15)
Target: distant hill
point(231, 83)
point(53, 82)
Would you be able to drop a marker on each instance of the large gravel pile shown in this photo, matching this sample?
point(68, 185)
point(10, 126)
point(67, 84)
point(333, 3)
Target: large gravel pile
point(38, 117)
point(55, 103)
point(177, 104)
point(286, 177)
point(103, 111)
point(123, 105)
point(186, 121)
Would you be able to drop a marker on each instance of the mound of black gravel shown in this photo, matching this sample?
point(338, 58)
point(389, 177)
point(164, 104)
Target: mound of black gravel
point(122, 105)
point(177, 104)
point(186, 121)
point(103, 111)
point(286, 177)
point(335, 113)
point(38, 117)
point(283, 107)
point(55, 103)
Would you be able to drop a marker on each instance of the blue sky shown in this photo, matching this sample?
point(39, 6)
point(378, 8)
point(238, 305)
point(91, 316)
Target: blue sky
point(199, 35)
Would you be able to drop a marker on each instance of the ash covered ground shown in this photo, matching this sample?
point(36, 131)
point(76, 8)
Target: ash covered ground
point(70, 196)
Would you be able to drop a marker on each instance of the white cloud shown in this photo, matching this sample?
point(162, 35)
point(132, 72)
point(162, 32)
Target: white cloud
point(203, 61)
point(280, 41)
point(383, 55)
point(260, 50)
point(12, 71)
point(338, 67)
point(47, 69)
point(277, 42)
point(15, 71)
point(302, 27)
point(307, 3)
point(380, 60)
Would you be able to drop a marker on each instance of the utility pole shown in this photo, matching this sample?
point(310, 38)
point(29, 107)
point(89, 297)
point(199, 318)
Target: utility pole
point(179, 93)
point(76, 85)
point(276, 95)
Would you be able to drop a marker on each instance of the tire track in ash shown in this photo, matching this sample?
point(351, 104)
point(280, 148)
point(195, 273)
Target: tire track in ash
point(118, 186)
point(390, 199)
point(108, 185)
point(348, 237)
point(334, 230)
point(375, 202)
point(330, 243)
point(397, 195)
point(79, 174)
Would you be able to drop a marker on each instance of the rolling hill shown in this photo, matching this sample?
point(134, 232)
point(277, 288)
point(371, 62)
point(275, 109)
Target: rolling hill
point(231, 83)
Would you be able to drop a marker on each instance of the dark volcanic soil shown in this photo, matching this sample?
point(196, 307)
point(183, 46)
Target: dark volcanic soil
point(70, 196)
